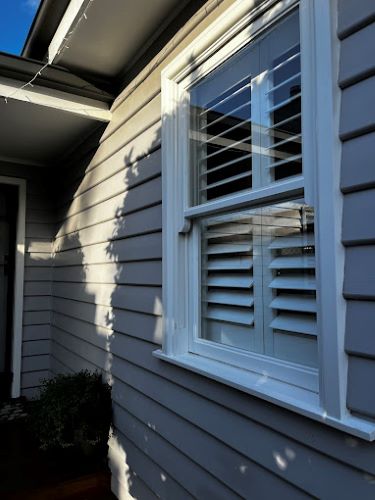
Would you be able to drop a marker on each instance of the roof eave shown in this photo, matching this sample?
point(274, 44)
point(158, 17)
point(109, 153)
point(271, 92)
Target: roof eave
point(53, 77)
point(43, 28)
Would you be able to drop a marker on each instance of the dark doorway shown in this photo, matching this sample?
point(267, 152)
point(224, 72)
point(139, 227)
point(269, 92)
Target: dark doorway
point(8, 223)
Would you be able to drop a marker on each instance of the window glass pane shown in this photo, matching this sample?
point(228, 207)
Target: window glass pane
point(284, 142)
point(245, 117)
point(258, 281)
point(228, 280)
point(220, 128)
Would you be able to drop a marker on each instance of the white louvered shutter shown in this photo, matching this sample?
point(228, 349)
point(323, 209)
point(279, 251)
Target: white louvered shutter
point(278, 91)
point(283, 150)
point(258, 281)
point(220, 133)
point(290, 257)
point(228, 281)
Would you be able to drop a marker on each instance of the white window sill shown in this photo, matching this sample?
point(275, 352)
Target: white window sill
point(291, 397)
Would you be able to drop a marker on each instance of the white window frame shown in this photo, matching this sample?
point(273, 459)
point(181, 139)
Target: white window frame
point(321, 166)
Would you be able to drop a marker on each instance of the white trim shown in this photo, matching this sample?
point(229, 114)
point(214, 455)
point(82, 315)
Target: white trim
point(18, 283)
point(63, 31)
point(56, 99)
point(329, 203)
point(308, 86)
point(290, 187)
point(174, 247)
point(287, 396)
point(277, 369)
point(233, 21)
point(227, 46)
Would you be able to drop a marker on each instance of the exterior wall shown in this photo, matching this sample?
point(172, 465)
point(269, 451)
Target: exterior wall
point(177, 434)
point(40, 230)
point(357, 80)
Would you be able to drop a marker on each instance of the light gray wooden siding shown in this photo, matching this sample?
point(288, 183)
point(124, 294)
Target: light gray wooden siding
point(177, 434)
point(356, 30)
point(40, 231)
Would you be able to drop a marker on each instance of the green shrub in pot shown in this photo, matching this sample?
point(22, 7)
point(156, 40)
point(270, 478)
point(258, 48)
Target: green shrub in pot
point(73, 411)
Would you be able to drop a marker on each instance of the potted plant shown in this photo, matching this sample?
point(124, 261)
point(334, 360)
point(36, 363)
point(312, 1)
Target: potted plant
point(73, 412)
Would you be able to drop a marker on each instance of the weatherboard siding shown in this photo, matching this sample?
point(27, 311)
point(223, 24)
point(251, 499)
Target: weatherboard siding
point(177, 434)
point(39, 233)
point(357, 130)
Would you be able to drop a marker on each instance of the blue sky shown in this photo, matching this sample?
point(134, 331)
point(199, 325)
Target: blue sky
point(16, 17)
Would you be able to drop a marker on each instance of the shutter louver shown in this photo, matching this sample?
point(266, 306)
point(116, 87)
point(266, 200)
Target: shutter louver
point(227, 281)
point(258, 281)
point(284, 150)
point(225, 134)
point(221, 129)
point(292, 266)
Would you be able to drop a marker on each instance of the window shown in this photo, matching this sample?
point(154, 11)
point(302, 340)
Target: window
point(252, 258)
point(257, 278)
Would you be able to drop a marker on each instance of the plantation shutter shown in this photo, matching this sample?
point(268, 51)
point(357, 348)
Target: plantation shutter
point(220, 128)
point(228, 281)
point(258, 281)
point(291, 271)
point(283, 149)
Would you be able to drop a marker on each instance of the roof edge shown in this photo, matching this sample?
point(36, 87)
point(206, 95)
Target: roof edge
point(43, 28)
point(54, 77)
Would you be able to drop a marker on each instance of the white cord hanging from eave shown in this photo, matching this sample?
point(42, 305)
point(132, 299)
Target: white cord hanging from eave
point(28, 84)
point(49, 62)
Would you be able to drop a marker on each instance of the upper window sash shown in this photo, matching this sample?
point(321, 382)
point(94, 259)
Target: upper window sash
point(245, 117)
point(179, 91)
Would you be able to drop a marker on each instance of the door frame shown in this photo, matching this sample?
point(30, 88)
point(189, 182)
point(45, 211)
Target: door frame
point(19, 272)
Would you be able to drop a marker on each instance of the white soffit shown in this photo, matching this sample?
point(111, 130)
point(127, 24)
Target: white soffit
point(101, 37)
point(39, 135)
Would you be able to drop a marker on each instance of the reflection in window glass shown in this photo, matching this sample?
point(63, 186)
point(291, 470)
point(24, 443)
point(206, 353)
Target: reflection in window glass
point(220, 135)
point(285, 115)
point(258, 281)
point(245, 117)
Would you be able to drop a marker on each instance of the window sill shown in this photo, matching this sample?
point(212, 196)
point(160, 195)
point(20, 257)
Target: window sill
point(290, 397)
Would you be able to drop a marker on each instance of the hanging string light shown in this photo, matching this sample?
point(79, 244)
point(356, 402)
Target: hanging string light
point(63, 47)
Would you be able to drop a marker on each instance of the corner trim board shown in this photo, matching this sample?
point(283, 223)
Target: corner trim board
point(18, 283)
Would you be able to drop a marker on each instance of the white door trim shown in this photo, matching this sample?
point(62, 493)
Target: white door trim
point(18, 283)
